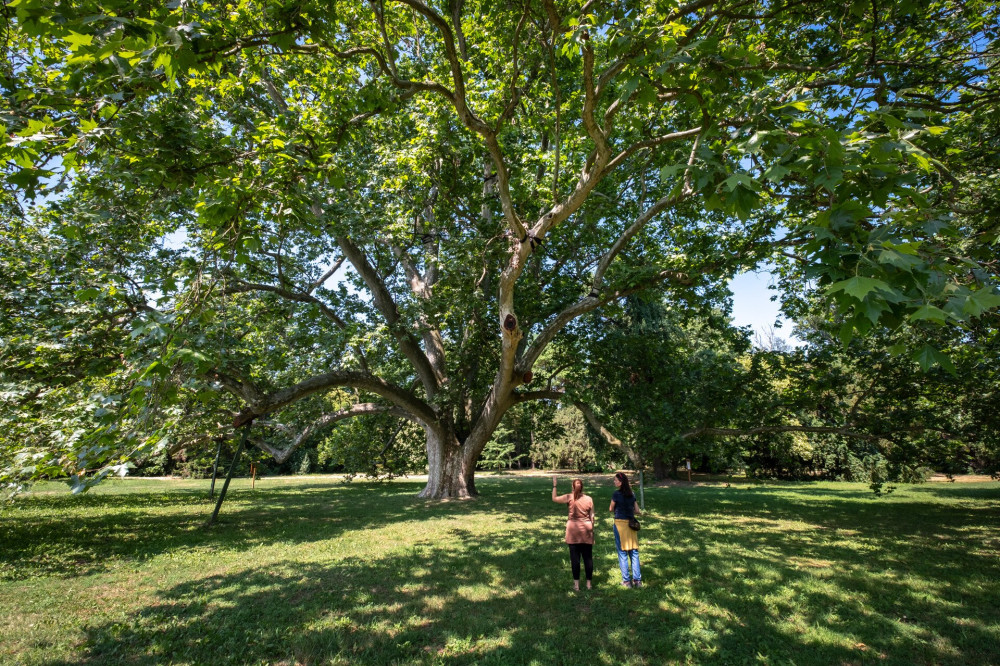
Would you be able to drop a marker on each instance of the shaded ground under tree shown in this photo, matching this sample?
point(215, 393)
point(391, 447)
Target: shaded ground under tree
point(326, 573)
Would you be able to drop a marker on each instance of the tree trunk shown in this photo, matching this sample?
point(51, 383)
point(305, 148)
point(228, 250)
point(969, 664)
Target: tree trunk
point(449, 475)
point(661, 468)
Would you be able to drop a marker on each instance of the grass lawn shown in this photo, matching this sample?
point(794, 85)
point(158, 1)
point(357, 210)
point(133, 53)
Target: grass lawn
point(314, 571)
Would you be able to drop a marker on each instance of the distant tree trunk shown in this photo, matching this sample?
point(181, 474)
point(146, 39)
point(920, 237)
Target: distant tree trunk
point(662, 469)
point(531, 447)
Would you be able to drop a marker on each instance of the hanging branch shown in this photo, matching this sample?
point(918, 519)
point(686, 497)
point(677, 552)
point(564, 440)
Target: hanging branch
point(588, 413)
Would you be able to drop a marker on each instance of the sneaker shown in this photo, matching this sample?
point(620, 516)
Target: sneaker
point(637, 583)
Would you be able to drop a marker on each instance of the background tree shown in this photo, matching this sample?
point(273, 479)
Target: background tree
point(865, 411)
point(655, 373)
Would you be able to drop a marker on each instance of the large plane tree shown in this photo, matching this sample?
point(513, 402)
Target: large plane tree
point(327, 210)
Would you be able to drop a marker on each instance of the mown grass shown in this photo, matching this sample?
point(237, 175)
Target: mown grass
point(314, 571)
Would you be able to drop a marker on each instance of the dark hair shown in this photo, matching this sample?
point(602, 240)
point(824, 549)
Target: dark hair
point(576, 495)
point(626, 488)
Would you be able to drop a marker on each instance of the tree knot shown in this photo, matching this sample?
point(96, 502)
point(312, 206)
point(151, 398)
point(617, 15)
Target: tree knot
point(531, 238)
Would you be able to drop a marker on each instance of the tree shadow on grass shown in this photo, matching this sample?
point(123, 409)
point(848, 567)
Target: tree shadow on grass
point(979, 491)
point(909, 581)
point(450, 605)
point(795, 575)
point(67, 536)
point(63, 535)
point(792, 581)
point(938, 539)
point(791, 596)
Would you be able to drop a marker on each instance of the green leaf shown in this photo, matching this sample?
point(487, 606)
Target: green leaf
point(922, 162)
point(630, 86)
point(911, 248)
point(891, 121)
point(190, 356)
point(905, 262)
point(740, 179)
point(337, 179)
point(776, 173)
point(859, 287)
point(194, 357)
point(753, 144)
point(76, 40)
point(846, 213)
point(930, 313)
point(88, 294)
point(798, 105)
point(166, 61)
point(671, 170)
point(846, 333)
point(873, 310)
point(156, 369)
point(927, 357)
point(981, 301)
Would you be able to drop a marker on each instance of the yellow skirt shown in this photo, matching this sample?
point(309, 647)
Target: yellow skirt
point(629, 538)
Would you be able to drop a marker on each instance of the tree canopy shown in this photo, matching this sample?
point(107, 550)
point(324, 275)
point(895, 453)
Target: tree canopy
point(301, 212)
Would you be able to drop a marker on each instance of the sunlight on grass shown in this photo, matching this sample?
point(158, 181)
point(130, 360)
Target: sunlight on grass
point(311, 570)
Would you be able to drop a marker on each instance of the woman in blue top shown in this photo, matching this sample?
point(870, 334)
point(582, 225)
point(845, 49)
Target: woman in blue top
point(626, 539)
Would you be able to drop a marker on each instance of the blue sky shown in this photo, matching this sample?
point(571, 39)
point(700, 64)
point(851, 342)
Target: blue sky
point(752, 304)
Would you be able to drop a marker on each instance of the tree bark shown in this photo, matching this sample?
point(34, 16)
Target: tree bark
point(449, 474)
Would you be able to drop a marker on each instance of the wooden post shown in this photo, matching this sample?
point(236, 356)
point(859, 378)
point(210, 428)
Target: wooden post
point(253, 475)
point(688, 464)
point(215, 467)
point(642, 495)
point(229, 476)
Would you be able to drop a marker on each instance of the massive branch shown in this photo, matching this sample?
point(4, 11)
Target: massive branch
point(242, 286)
point(422, 286)
point(267, 404)
point(387, 307)
point(468, 118)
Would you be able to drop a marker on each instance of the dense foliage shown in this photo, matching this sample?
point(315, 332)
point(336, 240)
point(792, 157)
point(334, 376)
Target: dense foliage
point(298, 213)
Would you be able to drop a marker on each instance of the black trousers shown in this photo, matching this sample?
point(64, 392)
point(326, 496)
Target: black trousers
point(587, 551)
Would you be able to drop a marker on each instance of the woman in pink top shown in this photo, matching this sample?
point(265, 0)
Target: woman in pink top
point(579, 529)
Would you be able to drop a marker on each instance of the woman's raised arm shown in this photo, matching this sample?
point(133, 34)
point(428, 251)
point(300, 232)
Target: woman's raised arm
point(562, 499)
